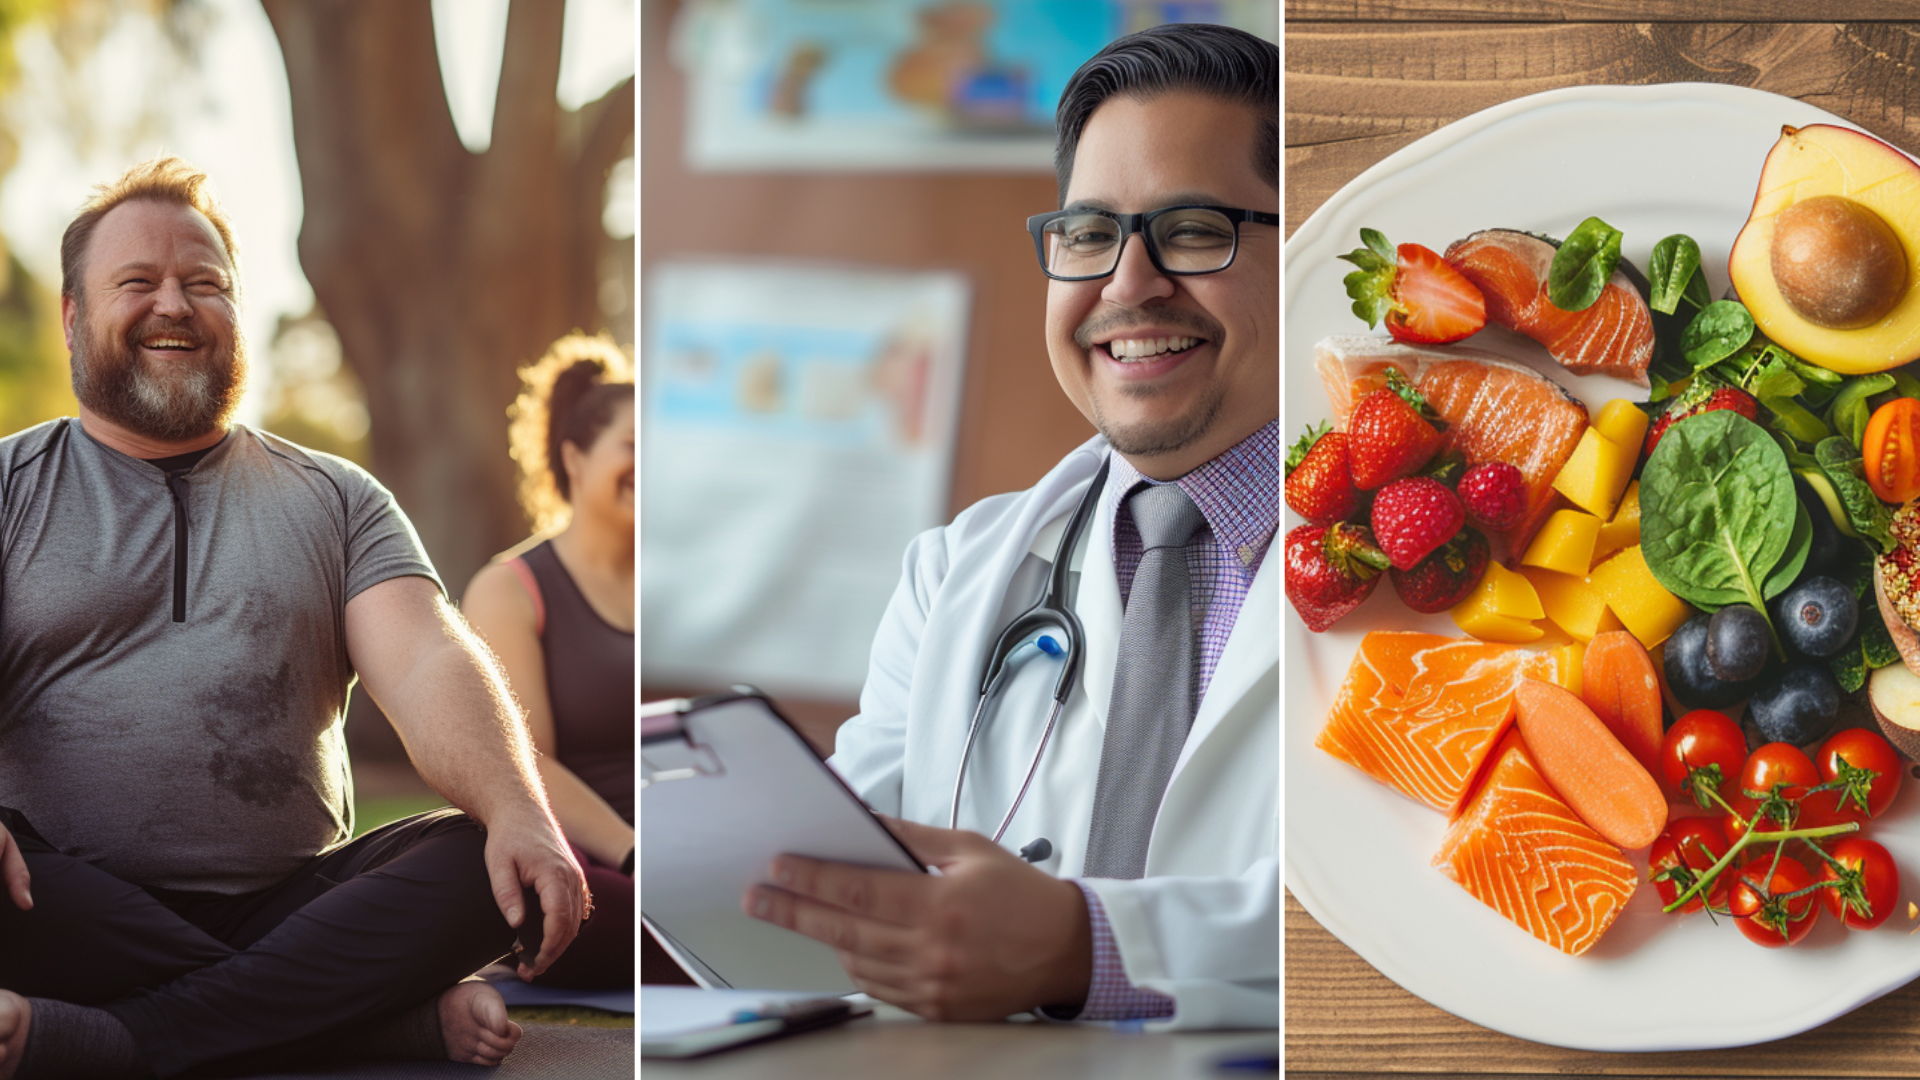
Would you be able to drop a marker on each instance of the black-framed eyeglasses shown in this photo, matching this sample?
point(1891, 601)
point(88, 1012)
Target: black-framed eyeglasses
point(1080, 245)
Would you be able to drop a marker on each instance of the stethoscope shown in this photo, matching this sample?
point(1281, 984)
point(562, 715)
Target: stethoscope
point(1012, 649)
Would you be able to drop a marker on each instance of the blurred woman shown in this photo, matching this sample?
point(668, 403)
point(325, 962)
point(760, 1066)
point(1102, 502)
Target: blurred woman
point(558, 610)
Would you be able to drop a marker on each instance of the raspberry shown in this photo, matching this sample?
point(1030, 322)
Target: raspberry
point(1494, 495)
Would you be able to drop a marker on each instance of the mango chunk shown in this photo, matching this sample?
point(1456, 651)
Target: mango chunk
point(1501, 608)
point(1644, 606)
point(1568, 660)
point(1624, 529)
point(1622, 422)
point(1571, 602)
point(1597, 473)
point(1484, 624)
point(1564, 543)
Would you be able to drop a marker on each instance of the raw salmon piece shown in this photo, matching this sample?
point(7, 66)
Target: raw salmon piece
point(1418, 712)
point(1519, 850)
point(1613, 337)
point(1495, 409)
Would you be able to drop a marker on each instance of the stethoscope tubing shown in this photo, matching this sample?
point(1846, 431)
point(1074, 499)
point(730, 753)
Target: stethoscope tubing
point(1050, 610)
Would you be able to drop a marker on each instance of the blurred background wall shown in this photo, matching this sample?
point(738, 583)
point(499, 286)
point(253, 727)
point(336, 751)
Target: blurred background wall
point(958, 205)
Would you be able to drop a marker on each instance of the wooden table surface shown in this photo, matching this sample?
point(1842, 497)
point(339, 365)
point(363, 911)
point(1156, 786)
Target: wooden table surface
point(1365, 78)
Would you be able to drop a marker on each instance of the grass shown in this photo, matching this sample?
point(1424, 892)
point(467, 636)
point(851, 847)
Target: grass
point(371, 813)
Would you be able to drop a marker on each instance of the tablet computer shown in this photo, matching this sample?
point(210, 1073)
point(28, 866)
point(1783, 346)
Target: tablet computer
point(727, 784)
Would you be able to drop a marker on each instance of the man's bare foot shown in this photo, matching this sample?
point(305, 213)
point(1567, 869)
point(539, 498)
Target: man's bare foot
point(15, 1016)
point(473, 1021)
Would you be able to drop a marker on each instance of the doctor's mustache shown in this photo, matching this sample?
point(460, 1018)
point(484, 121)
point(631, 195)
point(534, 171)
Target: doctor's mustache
point(1188, 323)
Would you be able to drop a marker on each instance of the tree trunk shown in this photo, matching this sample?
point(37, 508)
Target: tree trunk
point(444, 270)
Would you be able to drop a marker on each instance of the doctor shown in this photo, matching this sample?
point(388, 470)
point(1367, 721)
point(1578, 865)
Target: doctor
point(1158, 793)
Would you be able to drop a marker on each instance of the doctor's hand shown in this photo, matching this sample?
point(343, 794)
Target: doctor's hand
point(989, 937)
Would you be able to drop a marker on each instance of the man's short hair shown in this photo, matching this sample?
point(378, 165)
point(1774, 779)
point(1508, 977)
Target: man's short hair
point(1219, 61)
point(164, 180)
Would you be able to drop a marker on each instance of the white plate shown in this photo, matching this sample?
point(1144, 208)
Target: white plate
point(1651, 161)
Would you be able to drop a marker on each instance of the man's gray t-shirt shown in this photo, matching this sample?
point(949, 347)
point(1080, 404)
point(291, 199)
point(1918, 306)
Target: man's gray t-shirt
point(206, 753)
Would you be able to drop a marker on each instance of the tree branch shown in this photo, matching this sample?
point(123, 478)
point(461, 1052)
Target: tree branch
point(525, 112)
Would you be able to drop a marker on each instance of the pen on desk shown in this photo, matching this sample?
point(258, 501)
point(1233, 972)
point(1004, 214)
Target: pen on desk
point(1249, 1063)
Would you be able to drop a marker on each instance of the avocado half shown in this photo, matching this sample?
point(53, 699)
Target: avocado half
point(1816, 160)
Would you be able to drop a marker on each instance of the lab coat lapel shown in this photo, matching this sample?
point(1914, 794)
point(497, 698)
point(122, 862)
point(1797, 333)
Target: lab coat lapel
point(1252, 649)
point(1098, 606)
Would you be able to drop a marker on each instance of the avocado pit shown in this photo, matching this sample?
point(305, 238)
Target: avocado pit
point(1837, 263)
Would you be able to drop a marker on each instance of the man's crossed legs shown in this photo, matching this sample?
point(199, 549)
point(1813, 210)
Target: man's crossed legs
point(326, 959)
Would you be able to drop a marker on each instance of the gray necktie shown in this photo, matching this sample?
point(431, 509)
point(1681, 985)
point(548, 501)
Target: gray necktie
point(1152, 704)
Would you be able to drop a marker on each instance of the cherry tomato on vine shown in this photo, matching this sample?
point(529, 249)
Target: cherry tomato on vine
point(1689, 846)
point(1774, 766)
point(1891, 447)
point(1879, 882)
point(1760, 905)
point(1851, 752)
point(1697, 740)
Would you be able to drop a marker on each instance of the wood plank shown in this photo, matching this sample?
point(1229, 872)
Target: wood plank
point(1343, 1017)
point(1630, 11)
point(1355, 94)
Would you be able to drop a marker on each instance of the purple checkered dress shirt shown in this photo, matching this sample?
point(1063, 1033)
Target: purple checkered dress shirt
point(1238, 493)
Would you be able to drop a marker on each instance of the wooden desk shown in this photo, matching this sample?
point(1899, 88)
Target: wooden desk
point(1363, 79)
point(894, 1045)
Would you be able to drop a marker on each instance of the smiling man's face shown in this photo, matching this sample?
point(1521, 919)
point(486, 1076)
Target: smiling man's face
point(154, 333)
point(1123, 346)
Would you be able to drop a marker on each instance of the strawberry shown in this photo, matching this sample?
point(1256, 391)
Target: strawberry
point(1494, 495)
point(1390, 434)
point(1414, 516)
point(1694, 400)
point(1330, 570)
point(1445, 577)
point(1422, 299)
point(1319, 483)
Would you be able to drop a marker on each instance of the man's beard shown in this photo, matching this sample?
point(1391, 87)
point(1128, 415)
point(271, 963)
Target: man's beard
point(1173, 434)
point(166, 402)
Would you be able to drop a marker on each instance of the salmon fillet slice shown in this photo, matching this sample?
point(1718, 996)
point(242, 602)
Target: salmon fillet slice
point(1612, 337)
point(1517, 848)
point(1419, 712)
point(1495, 409)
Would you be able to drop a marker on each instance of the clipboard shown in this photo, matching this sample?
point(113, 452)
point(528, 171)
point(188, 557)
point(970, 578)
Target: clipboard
point(726, 784)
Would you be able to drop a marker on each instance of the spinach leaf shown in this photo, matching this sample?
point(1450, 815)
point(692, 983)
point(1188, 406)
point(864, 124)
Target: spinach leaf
point(1697, 292)
point(1799, 543)
point(1582, 265)
point(1850, 412)
point(1812, 373)
point(1797, 458)
point(1849, 665)
point(1675, 263)
point(1875, 643)
point(1716, 504)
point(1772, 378)
point(1906, 384)
point(1721, 329)
point(1840, 461)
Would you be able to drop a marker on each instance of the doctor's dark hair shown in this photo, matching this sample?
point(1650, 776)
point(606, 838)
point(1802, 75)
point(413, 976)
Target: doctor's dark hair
point(1219, 61)
point(569, 395)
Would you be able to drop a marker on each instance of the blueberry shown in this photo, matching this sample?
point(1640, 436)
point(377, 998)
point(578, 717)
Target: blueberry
point(1798, 707)
point(1737, 643)
point(1689, 674)
point(1818, 616)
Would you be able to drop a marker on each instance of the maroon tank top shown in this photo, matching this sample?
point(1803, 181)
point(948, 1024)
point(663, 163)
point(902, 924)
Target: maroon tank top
point(589, 682)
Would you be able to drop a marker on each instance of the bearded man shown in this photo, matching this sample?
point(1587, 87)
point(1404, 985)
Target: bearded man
point(184, 606)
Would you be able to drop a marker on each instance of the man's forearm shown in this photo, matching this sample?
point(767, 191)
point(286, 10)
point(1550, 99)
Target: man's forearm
point(462, 730)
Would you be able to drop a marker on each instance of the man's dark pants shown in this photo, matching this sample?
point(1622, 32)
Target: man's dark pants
point(361, 933)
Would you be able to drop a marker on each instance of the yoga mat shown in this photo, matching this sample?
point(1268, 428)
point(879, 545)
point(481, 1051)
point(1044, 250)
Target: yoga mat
point(546, 1052)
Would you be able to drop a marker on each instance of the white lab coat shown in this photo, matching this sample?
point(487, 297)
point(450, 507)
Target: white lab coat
point(1203, 925)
